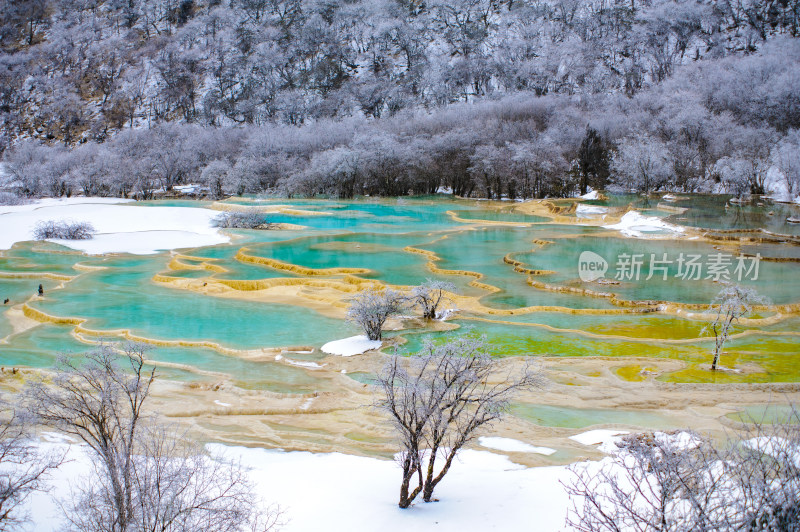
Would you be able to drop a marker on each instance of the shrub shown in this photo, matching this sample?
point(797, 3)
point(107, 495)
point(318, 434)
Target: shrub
point(65, 230)
point(241, 220)
point(8, 198)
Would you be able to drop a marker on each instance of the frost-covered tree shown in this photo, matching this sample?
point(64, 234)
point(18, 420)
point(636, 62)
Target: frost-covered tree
point(653, 482)
point(24, 465)
point(641, 163)
point(437, 399)
point(144, 476)
point(732, 303)
point(680, 480)
point(592, 161)
point(215, 177)
point(764, 474)
point(786, 156)
point(370, 309)
point(430, 295)
point(736, 175)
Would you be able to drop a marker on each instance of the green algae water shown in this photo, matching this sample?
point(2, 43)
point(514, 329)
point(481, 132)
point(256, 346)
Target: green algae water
point(519, 272)
point(581, 418)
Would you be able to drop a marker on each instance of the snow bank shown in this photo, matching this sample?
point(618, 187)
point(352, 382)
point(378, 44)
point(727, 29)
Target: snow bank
point(634, 224)
point(591, 195)
point(121, 228)
point(347, 347)
point(510, 445)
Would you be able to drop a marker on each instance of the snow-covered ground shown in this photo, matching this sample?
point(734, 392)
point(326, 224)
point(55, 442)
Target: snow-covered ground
point(636, 225)
point(333, 491)
point(121, 227)
point(337, 492)
point(347, 347)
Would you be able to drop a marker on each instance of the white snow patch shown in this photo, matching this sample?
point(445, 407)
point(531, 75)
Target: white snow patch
point(220, 403)
point(347, 347)
point(634, 224)
point(679, 440)
point(591, 195)
point(121, 228)
point(512, 446)
point(190, 189)
point(605, 439)
point(307, 403)
point(589, 210)
point(304, 364)
point(56, 437)
point(446, 313)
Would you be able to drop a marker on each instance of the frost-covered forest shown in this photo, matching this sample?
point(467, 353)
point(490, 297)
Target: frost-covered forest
point(520, 99)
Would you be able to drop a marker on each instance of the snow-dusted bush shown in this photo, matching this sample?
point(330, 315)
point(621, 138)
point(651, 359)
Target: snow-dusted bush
point(65, 230)
point(241, 220)
point(8, 198)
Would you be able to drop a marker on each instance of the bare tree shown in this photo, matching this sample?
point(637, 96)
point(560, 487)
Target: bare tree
point(430, 295)
point(653, 482)
point(146, 478)
point(437, 399)
point(764, 470)
point(371, 308)
point(99, 402)
point(683, 481)
point(24, 467)
point(732, 302)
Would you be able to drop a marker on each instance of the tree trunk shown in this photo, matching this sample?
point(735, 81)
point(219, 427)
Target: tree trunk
point(427, 490)
point(407, 498)
point(431, 481)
